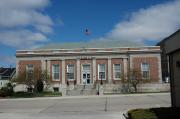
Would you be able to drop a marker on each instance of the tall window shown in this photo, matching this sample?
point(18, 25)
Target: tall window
point(70, 72)
point(29, 71)
point(55, 71)
point(117, 71)
point(145, 70)
point(102, 71)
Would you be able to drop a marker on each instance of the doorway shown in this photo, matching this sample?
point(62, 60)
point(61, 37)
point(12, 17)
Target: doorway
point(86, 74)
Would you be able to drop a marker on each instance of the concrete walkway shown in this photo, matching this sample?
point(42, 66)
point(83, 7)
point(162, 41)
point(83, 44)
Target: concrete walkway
point(79, 107)
point(89, 96)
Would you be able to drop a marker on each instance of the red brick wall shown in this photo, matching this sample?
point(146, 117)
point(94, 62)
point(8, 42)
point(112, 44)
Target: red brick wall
point(23, 63)
point(102, 61)
point(75, 68)
point(116, 61)
point(60, 65)
point(153, 62)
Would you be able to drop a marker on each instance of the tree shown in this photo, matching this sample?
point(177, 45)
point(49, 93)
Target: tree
point(34, 80)
point(132, 79)
point(39, 86)
point(45, 77)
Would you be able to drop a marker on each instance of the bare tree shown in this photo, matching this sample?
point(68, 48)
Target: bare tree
point(30, 79)
point(131, 79)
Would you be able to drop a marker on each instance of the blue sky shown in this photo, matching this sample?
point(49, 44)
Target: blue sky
point(27, 24)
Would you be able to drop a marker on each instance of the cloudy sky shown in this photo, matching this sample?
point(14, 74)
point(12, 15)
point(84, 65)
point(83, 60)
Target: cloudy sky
point(27, 24)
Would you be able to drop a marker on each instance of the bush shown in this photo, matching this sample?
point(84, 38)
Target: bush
point(23, 94)
point(39, 86)
point(7, 90)
point(167, 112)
point(48, 93)
point(2, 93)
point(141, 114)
point(155, 113)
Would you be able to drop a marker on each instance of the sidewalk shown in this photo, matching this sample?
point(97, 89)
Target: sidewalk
point(84, 97)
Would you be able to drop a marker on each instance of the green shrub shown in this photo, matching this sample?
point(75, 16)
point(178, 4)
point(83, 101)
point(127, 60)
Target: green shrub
point(2, 93)
point(39, 86)
point(155, 113)
point(48, 93)
point(167, 112)
point(23, 94)
point(141, 114)
point(7, 90)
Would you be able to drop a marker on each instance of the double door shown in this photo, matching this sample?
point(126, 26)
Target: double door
point(86, 74)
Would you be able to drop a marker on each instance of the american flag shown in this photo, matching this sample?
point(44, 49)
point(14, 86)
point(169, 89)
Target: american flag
point(87, 32)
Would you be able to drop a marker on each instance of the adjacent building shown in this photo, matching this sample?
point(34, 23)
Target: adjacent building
point(6, 74)
point(172, 50)
point(88, 63)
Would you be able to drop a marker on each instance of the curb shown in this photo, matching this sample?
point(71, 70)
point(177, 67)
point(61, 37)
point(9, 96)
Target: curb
point(84, 97)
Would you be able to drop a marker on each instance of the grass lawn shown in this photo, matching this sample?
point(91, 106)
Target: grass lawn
point(31, 95)
point(155, 113)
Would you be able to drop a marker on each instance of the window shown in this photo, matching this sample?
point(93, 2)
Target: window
point(70, 72)
point(117, 71)
point(145, 70)
point(29, 71)
point(55, 71)
point(86, 67)
point(102, 71)
point(56, 89)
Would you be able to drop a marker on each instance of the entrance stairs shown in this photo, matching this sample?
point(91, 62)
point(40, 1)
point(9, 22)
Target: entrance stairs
point(75, 90)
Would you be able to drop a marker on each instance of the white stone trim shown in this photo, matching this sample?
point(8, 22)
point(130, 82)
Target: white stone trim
point(145, 55)
point(159, 69)
point(48, 68)
point(125, 67)
point(63, 71)
point(140, 47)
point(78, 70)
point(43, 65)
point(17, 67)
point(73, 57)
point(109, 70)
point(94, 70)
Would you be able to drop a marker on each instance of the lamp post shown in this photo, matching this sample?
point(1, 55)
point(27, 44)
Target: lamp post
point(101, 79)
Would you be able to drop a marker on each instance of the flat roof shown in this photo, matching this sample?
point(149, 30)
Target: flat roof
point(92, 44)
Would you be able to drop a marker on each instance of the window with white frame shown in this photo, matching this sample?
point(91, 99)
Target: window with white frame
point(55, 72)
point(29, 71)
point(70, 72)
point(102, 71)
point(145, 70)
point(117, 71)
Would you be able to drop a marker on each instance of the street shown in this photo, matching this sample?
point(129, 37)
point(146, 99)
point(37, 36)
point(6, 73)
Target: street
point(97, 107)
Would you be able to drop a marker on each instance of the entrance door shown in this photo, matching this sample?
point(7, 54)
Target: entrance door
point(86, 74)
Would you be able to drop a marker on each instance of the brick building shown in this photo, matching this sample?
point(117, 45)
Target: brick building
point(79, 64)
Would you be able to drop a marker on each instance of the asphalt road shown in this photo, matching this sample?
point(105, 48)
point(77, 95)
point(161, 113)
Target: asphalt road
point(97, 107)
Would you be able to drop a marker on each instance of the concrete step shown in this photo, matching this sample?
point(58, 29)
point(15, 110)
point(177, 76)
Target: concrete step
point(81, 92)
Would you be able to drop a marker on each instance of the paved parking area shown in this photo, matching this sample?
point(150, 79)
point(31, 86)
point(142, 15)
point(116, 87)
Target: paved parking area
point(96, 107)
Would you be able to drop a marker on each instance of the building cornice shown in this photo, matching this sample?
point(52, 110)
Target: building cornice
point(88, 51)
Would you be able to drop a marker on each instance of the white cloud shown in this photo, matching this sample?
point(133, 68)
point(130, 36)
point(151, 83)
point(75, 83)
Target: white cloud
point(24, 4)
point(23, 24)
point(153, 23)
point(21, 38)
